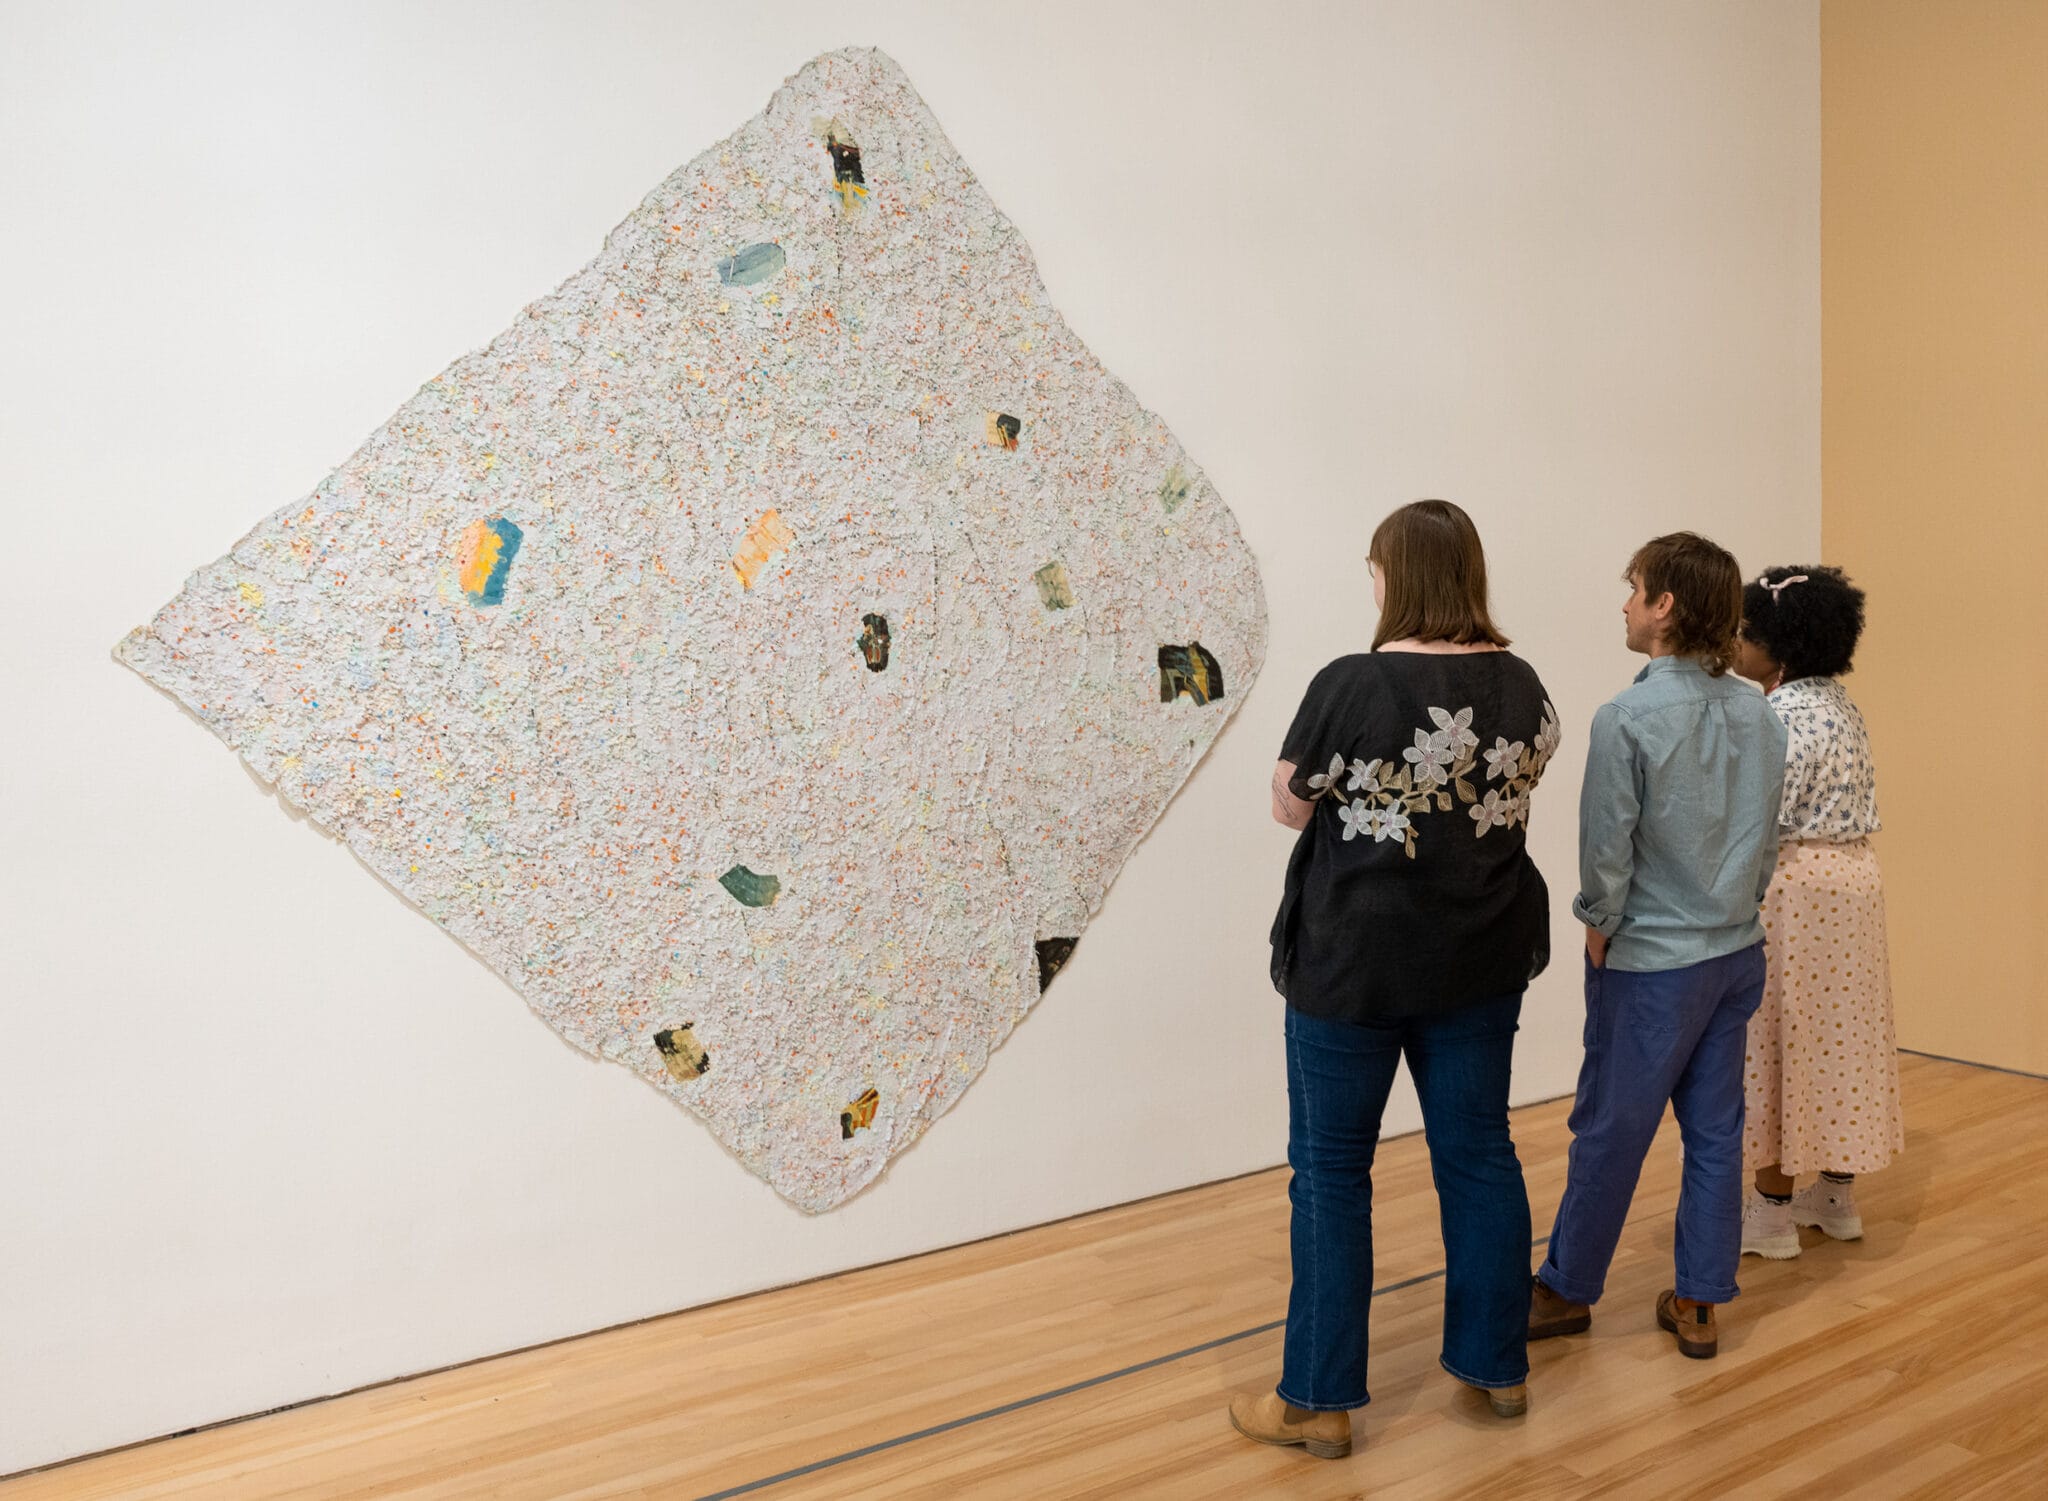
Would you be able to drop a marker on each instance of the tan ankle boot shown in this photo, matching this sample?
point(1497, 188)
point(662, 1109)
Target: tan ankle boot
point(1506, 1401)
point(1693, 1323)
point(1552, 1314)
point(1268, 1419)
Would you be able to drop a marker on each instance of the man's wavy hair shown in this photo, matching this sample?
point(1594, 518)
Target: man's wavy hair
point(1705, 585)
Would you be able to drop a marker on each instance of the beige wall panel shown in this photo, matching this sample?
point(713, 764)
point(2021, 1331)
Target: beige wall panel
point(1934, 231)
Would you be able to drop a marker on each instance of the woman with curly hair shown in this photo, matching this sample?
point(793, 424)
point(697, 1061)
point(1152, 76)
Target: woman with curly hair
point(1823, 1085)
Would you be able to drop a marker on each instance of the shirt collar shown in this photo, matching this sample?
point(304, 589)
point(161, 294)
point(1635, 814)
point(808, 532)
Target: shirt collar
point(1662, 666)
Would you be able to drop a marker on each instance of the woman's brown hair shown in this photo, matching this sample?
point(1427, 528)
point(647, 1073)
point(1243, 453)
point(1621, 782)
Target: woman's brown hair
point(1428, 552)
point(1705, 585)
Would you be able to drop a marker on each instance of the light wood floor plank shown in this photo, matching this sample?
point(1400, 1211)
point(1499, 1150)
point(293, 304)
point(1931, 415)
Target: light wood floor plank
point(1906, 1364)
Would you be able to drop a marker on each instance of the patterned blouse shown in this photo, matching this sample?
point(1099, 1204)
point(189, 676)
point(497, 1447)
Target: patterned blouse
point(1830, 783)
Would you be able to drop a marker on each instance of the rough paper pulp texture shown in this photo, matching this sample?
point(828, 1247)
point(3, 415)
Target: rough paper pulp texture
point(577, 651)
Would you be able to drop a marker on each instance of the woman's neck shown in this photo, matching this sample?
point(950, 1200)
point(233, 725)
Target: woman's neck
point(1438, 648)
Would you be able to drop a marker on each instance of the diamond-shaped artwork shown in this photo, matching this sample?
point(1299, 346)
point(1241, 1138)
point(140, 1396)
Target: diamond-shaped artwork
point(692, 652)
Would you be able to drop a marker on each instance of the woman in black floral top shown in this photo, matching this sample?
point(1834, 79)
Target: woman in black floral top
point(1412, 921)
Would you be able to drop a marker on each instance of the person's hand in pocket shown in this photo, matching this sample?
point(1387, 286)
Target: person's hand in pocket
point(1596, 947)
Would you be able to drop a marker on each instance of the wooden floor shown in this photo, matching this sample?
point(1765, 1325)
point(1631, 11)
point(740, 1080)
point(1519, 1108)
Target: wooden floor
point(1093, 1358)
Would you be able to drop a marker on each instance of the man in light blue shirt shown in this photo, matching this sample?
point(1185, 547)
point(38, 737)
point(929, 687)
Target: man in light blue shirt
point(1677, 841)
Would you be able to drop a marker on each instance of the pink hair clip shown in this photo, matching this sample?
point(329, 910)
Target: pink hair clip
point(1781, 585)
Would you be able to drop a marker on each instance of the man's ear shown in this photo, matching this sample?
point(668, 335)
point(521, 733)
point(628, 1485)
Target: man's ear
point(1663, 605)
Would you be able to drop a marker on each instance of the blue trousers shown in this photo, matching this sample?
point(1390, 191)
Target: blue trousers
point(1679, 1035)
point(1338, 1078)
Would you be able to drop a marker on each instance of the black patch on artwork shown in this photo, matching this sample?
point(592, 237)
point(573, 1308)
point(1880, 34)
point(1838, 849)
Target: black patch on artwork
point(874, 641)
point(1053, 954)
point(845, 160)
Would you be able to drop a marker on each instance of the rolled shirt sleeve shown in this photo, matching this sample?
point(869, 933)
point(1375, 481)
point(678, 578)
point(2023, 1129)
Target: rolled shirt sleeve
point(1609, 806)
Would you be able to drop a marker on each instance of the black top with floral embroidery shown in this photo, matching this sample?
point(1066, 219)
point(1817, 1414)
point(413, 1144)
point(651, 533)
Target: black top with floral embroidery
point(1411, 892)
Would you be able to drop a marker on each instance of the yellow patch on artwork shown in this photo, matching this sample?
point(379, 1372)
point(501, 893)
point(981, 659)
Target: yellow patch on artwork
point(251, 593)
point(475, 557)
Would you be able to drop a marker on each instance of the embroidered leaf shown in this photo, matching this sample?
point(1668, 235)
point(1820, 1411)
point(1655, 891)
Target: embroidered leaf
point(1411, 844)
point(1465, 792)
point(1443, 802)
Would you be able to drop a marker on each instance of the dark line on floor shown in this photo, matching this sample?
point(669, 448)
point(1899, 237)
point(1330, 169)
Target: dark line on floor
point(2017, 1073)
point(1048, 1396)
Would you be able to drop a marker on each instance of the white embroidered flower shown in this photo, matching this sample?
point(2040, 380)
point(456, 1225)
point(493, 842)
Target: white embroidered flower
point(1357, 816)
point(1389, 823)
point(1326, 781)
point(1504, 760)
point(1365, 776)
point(1547, 735)
point(1455, 730)
point(1430, 755)
point(1492, 812)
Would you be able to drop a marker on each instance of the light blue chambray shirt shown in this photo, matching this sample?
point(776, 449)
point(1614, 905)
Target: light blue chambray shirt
point(1678, 821)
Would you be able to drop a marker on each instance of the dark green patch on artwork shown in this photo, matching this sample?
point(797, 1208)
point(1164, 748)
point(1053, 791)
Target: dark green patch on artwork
point(750, 890)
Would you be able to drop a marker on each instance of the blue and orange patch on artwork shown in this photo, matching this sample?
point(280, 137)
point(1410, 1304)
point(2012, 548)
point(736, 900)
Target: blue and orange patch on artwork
point(483, 561)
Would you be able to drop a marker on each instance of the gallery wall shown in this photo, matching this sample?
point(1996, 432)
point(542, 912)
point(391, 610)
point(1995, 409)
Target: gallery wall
point(269, 1134)
point(1935, 235)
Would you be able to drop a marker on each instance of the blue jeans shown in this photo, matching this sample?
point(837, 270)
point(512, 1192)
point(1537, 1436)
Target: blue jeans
point(1679, 1035)
point(1338, 1078)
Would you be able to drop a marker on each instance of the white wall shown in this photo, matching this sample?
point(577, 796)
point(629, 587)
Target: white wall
point(264, 1132)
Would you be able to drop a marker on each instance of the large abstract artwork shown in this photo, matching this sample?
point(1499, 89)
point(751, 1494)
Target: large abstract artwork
point(766, 652)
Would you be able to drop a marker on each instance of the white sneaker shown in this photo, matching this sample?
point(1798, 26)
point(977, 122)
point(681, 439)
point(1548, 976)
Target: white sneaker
point(1767, 1229)
point(1832, 1206)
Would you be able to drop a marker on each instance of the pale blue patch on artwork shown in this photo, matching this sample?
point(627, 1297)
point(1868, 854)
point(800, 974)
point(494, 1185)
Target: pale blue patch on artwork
point(751, 265)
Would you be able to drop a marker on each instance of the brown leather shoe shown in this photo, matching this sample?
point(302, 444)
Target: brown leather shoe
point(1692, 1322)
point(1267, 1419)
point(1551, 1315)
point(1506, 1401)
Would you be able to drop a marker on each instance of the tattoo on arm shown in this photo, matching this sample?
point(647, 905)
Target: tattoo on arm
point(1287, 808)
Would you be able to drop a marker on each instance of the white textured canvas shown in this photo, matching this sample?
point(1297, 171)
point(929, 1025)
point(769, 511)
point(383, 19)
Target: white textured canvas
point(766, 652)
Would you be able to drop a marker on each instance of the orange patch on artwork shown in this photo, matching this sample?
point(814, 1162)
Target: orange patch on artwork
point(764, 539)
